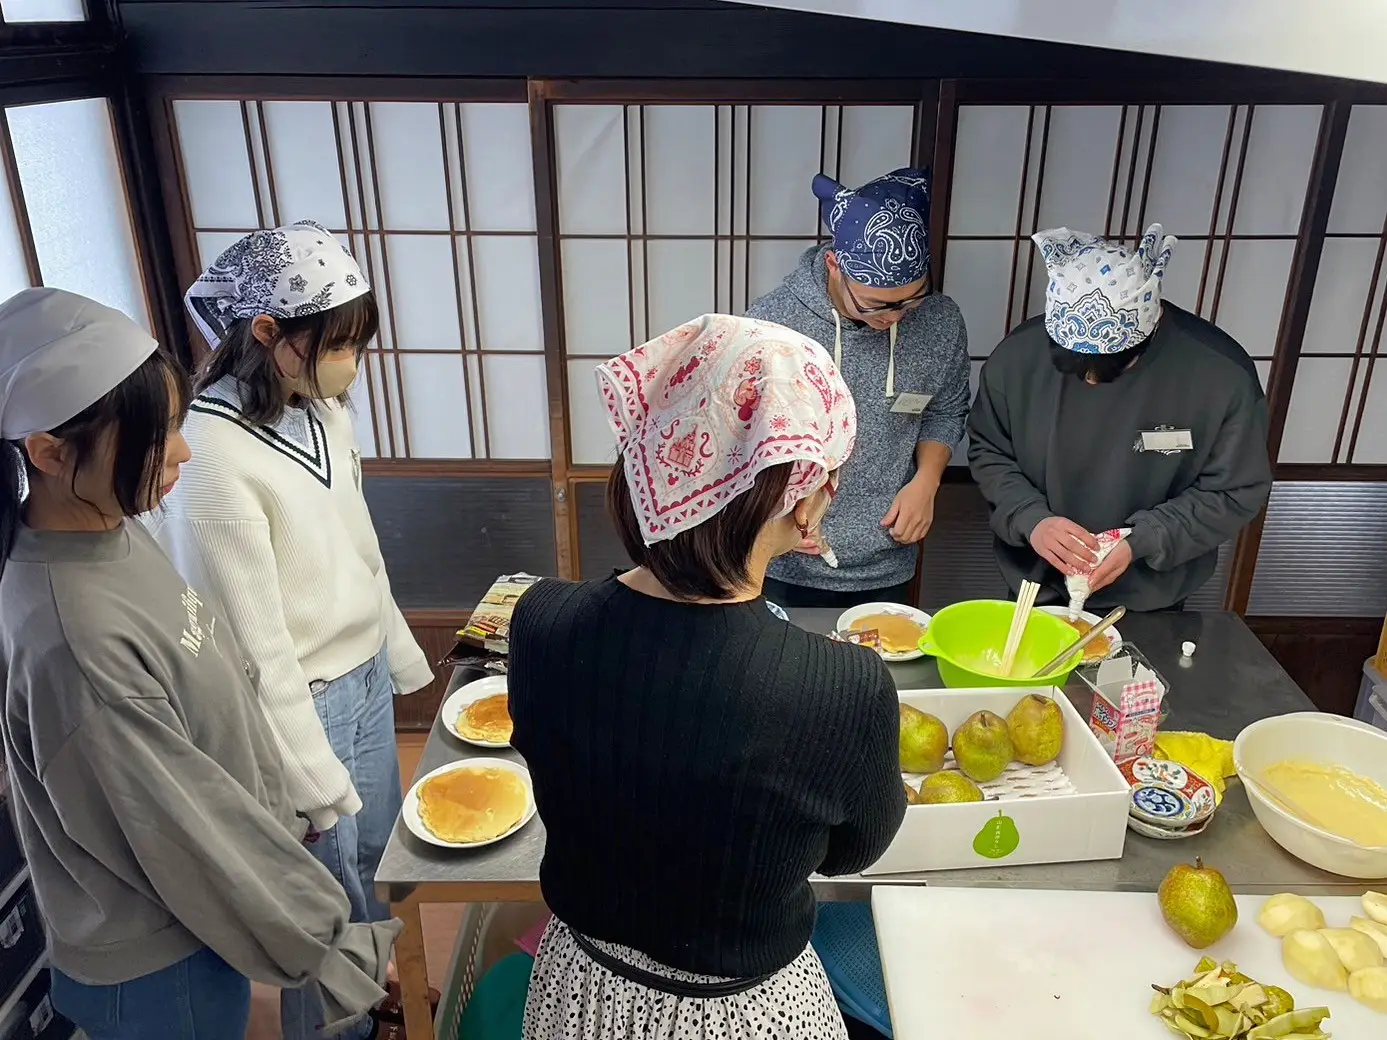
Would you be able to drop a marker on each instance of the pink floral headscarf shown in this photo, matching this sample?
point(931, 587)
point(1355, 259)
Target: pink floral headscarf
point(699, 412)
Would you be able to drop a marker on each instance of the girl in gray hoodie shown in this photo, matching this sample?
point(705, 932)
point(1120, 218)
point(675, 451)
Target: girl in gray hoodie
point(149, 796)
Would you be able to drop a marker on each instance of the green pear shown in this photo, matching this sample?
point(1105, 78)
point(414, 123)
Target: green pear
point(924, 741)
point(982, 746)
point(911, 795)
point(1197, 904)
point(1036, 727)
point(948, 786)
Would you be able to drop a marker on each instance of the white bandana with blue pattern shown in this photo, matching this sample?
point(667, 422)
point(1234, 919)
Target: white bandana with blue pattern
point(881, 230)
point(1102, 297)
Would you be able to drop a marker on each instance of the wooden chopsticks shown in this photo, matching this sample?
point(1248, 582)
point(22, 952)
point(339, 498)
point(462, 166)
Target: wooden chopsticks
point(1025, 601)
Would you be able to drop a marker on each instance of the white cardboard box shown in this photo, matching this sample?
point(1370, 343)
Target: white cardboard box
point(1087, 825)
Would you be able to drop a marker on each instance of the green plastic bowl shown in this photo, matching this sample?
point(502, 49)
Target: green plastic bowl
point(968, 637)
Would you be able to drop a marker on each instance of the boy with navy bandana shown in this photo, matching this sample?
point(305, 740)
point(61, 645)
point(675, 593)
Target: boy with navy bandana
point(903, 350)
point(1117, 410)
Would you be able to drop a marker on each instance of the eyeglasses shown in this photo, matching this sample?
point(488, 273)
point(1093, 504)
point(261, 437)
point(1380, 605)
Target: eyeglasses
point(908, 303)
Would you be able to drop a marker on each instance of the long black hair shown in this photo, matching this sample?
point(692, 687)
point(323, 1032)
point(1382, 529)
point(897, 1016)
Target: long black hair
point(140, 410)
point(264, 399)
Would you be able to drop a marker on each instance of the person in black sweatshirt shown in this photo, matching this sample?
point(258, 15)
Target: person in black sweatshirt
point(1117, 410)
point(695, 759)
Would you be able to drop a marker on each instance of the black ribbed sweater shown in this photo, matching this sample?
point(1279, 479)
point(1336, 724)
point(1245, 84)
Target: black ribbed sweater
point(693, 765)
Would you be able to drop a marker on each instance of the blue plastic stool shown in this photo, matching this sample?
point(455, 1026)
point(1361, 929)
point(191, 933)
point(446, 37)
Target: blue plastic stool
point(846, 941)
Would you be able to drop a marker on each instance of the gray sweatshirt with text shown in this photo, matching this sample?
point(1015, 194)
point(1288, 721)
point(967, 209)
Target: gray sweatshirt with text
point(1043, 444)
point(148, 791)
point(932, 360)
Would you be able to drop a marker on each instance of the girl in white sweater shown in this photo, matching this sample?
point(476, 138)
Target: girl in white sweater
point(270, 515)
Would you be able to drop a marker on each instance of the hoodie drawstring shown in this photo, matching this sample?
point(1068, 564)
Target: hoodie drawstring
point(890, 361)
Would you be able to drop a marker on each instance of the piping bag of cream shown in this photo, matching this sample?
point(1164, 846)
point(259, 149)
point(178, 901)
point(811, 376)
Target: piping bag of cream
point(1077, 584)
point(825, 553)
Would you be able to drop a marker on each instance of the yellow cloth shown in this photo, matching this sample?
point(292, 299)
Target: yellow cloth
point(1208, 756)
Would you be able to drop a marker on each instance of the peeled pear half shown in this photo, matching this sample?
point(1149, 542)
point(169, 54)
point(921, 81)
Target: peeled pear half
point(1355, 950)
point(1374, 931)
point(1369, 988)
point(1375, 906)
point(1287, 912)
point(1310, 958)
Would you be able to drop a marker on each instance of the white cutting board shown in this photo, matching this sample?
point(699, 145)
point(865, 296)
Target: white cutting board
point(1017, 963)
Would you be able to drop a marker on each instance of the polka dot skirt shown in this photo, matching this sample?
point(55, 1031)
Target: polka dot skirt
point(574, 998)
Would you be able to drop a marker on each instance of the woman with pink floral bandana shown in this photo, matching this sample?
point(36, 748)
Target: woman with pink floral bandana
point(695, 758)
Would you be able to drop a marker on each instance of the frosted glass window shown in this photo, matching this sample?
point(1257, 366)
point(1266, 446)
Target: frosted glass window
point(1317, 403)
point(423, 291)
point(680, 177)
point(407, 141)
point(593, 443)
point(1371, 446)
point(988, 149)
point(14, 271)
point(212, 137)
point(517, 406)
point(1078, 166)
point(303, 156)
point(75, 194)
point(771, 260)
point(1185, 168)
point(680, 280)
point(590, 147)
point(977, 277)
point(508, 306)
point(784, 158)
point(1341, 296)
point(875, 139)
point(43, 10)
point(1254, 287)
point(1276, 169)
point(435, 397)
point(1360, 204)
point(596, 300)
point(500, 168)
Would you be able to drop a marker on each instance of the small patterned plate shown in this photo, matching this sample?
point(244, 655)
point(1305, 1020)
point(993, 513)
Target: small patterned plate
point(1166, 794)
point(1149, 830)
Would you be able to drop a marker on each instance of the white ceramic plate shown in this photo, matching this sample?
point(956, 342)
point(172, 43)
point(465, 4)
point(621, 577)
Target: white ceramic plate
point(847, 617)
point(1114, 636)
point(416, 824)
point(457, 703)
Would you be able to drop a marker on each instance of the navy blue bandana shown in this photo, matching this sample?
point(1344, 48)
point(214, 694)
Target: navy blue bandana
point(881, 230)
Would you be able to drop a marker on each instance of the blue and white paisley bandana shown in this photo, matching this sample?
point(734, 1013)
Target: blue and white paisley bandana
point(881, 230)
point(286, 273)
point(1102, 298)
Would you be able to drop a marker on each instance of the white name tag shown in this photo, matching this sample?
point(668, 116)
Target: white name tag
point(911, 404)
point(1167, 440)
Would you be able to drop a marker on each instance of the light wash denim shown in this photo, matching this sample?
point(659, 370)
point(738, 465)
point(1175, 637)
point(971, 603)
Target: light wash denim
point(199, 998)
point(358, 714)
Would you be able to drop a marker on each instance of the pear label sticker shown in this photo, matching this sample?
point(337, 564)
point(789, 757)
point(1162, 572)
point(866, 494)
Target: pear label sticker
point(998, 839)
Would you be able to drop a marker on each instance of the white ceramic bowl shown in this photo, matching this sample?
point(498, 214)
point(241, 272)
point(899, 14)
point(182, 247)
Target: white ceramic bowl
point(1318, 738)
point(847, 617)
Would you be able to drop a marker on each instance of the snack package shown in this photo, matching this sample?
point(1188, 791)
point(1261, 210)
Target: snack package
point(1077, 584)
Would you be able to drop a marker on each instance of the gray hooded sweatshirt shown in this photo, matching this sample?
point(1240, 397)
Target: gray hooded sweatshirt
point(931, 359)
point(148, 792)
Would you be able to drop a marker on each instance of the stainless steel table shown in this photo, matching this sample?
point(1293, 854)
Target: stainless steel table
point(1230, 682)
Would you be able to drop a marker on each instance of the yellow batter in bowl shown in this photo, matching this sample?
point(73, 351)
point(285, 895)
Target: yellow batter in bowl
point(1335, 799)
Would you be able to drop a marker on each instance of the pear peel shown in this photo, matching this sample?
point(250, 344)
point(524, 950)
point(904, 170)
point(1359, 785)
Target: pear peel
point(1369, 987)
point(1374, 931)
point(1287, 912)
point(1221, 1003)
point(1375, 906)
point(1310, 958)
point(1354, 949)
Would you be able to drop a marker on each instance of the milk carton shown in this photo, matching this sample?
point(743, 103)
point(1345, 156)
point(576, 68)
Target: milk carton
point(1127, 697)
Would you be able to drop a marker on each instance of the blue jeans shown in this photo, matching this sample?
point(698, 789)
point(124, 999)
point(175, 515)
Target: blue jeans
point(199, 998)
point(358, 714)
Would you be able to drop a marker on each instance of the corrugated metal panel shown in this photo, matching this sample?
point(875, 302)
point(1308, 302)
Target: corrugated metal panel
point(1324, 551)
